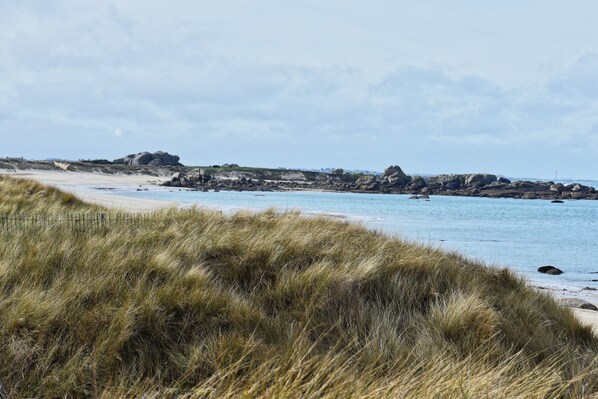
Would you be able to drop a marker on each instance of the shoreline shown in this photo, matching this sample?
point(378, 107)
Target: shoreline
point(232, 177)
point(89, 186)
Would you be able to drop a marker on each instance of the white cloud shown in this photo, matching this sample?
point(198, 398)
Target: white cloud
point(348, 79)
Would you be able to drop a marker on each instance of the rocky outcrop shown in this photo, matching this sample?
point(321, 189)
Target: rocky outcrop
point(447, 182)
point(417, 183)
point(467, 182)
point(367, 183)
point(394, 176)
point(557, 188)
point(393, 180)
point(148, 159)
point(480, 180)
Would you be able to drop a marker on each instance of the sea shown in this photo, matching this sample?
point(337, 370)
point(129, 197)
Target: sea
point(515, 233)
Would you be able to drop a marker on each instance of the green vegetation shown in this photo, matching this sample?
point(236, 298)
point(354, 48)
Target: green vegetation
point(201, 304)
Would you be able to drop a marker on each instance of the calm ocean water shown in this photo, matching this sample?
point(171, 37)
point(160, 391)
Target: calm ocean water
point(520, 234)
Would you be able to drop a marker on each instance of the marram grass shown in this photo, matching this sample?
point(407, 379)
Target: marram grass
point(198, 304)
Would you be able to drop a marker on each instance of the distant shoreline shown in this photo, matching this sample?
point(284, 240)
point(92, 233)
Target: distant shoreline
point(392, 181)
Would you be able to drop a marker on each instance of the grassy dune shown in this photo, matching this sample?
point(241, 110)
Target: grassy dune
point(200, 304)
point(26, 196)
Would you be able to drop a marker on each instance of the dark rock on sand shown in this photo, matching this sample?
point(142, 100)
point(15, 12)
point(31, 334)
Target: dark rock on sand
point(577, 303)
point(550, 270)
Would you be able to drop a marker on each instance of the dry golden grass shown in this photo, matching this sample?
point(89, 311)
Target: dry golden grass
point(198, 304)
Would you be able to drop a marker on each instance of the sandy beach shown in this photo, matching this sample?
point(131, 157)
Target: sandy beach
point(89, 187)
point(95, 187)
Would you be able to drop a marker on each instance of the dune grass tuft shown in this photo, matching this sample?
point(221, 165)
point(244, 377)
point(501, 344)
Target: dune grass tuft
point(199, 304)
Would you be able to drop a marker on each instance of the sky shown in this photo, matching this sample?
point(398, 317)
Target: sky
point(507, 87)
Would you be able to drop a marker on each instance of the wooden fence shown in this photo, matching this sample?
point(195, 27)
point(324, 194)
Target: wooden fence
point(78, 221)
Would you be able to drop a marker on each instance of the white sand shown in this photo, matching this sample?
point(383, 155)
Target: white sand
point(588, 317)
point(86, 186)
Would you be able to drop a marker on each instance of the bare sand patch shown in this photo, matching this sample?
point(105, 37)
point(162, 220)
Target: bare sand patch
point(86, 186)
point(588, 317)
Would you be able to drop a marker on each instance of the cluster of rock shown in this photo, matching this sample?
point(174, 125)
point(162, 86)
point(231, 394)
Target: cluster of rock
point(159, 158)
point(393, 180)
point(200, 179)
point(393, 177)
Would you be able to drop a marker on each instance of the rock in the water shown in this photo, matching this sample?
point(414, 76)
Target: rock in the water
point(550, 270)
point(148, 159)
point(577, 303)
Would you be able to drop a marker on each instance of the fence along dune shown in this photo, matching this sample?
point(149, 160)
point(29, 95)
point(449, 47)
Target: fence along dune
point(202, 304)
point(81, 221)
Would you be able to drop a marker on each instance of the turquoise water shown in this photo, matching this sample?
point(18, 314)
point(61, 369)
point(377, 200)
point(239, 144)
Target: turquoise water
point(521, 234)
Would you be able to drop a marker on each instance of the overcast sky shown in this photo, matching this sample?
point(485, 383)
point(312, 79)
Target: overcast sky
point(509, 87)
